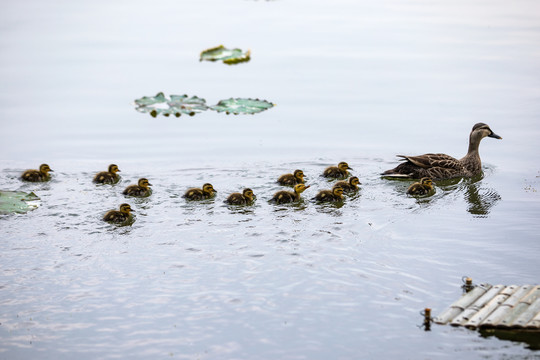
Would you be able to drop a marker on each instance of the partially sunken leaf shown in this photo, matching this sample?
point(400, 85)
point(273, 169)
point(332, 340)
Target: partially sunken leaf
point(175, 105)
point(228, 56)
point(242, 106)
point(17, 202)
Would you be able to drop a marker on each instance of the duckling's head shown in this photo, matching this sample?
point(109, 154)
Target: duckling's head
point(44, 168)
point(125, 208)
point(354, 181)
point(299, 188)
point(248, 193)
point(482, 130)
point(343, 166)
point(143, 182)
point(208, 188)
point(113, 168)
point(337, 191)
point(426, 181)
point(299, 174)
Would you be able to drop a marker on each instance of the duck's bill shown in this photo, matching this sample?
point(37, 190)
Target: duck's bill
point(493, 135)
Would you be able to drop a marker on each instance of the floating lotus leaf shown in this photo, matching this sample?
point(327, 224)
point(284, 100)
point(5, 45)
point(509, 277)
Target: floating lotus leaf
point(228, 56)
point(17, 202)
point(242, 106)
point(174, 105)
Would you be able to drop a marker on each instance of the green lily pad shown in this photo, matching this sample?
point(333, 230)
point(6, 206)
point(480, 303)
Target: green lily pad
point(17, 202)
point(228, 56)
point(174, 105)
point(242, 106)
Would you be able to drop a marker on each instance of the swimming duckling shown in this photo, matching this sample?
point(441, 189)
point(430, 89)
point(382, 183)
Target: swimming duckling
point(338, 172)
point(423, 187)
point(283, 197)
point(350, 186)
point(108, 177)
point(245, 198)
point(140, 190)
point(206, 192)
point(37, 175)
point(442, 166)
point(118, 217)
point(292, 179)
point(334, 195)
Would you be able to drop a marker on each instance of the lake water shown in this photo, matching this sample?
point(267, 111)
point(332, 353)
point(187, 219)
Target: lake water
point(355, 81)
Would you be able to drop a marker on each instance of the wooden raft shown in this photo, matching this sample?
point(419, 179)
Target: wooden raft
point(496, 307)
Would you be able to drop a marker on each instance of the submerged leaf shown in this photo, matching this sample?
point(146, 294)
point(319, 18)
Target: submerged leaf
point(17, 202)
point(228, 56)
point(242, 106)
point(175, 105)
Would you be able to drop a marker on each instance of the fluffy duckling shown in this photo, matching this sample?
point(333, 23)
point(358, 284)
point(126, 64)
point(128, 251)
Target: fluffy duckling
point(338, 172)
point(350, 186)
point(283, 197)
point(424, 187)
point(108, 177)
point(118, 217)
point(334, 195)
point(245, 198)
point(292, 179)
point(140, 190)
point(37, 175)
point(206, 192)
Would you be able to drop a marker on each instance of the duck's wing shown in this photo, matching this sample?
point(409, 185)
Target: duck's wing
point(428, 161)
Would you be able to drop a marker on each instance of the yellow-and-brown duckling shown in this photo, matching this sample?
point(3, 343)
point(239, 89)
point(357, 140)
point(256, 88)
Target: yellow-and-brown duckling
point(206, 192)
point(283, 197)
point(245, 198)
point(350, 186)
point(423, 187)
point(119, 217)
point(40, 175)
point(142, 189)
point(108, 177)
point(297, 177)
point(334, 195)
point(442, 166)
point(337, 172)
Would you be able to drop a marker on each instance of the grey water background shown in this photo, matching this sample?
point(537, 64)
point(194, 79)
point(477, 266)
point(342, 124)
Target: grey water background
point(355, 81)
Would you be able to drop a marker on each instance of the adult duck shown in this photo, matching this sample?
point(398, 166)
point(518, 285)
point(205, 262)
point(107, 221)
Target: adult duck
point(442, 166)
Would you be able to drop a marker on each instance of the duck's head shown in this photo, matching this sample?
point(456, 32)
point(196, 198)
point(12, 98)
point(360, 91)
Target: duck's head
point(482, 130)
point(44, 168)
point(248, 193)
point(143, 182)
point(337, 191)
point(299, 188)
point(208, 188)
point(354, 181)
point(126, 209)
point(113, 168)
point(344, 166)
point(426, 181)
point(299, 174)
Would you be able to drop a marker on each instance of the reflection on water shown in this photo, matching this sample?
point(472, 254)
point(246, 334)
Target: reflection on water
point(531, 338)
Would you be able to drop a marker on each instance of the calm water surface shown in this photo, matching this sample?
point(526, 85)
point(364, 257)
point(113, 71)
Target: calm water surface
point(354, 81)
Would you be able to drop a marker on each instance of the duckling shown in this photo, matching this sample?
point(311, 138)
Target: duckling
point(338, 172)
point(140, 190)
point(442, 166)
point(334, 195)
point(350, 186)
point(206, 192)
point(292, 179)
point(283, 197)
point(108, 177)
point(37, 175)
point(118, 217)
point(245, 198)
point(424, 187)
